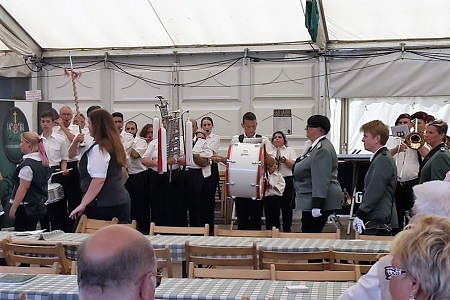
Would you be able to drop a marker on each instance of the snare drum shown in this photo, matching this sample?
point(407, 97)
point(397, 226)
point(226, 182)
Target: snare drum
point(245, 170)
point(55, 193)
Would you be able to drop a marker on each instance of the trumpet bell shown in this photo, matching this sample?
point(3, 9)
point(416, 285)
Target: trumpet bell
point(415, 140)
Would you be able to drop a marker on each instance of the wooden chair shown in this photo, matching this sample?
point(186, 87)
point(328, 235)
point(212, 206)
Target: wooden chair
point(244, 233)
point(21, 297)
point(196, 272)
point(373, 237)
point(352, 275)
point(221, 256)
point(295, 261)
point(73, 268)
point(54, 269)
point(299, 235)
point(341, 260)
point(154, 229)
point(86, 225)
point(35, 255)
point(133, 224)
point(164, 260)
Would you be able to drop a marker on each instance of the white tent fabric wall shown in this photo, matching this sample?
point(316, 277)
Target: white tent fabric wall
point(387, 110)
point(398, 74)
point(13, 65)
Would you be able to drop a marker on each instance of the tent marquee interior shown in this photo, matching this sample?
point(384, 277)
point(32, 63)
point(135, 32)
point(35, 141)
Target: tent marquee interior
point(373, 54)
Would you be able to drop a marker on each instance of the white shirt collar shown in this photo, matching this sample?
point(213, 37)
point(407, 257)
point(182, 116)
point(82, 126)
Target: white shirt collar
point(33, 155)
point(317, 141)
point(373, 155)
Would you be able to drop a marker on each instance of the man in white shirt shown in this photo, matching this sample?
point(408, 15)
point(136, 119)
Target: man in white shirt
point(56, 149)
point(72, 181)
point(248, 211)
point(137, 183)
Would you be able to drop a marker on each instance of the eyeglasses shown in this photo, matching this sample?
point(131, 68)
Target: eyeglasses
point(390, 271)
point(158, 277)
point(312, 126)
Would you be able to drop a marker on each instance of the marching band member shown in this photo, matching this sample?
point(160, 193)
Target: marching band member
point(136, 184)
point(72, 189)
point(436, 163)
point(194, 176)
point(167, 206)
point(30, 183)
point(317, 190)
point(287, 157)
point(272, 197)
point(101, 173)
point(210, 174)
point(56, 149)
point(377, 214)
point(248, 211)
point(408, 162)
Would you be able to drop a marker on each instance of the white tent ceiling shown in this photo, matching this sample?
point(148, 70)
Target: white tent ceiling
point(118, 24)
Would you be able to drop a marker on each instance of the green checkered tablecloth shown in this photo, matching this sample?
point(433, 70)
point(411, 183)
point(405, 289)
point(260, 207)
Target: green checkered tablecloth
point(177, 242)
point(311, 245)
point(71, 241)
point(224, 289)
point(45, 287)
point(274, 244)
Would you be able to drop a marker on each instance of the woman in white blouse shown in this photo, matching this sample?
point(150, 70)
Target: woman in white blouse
point(286, 156)
point(211, 176)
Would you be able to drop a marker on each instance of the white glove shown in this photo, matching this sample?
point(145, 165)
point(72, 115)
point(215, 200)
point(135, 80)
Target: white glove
point(358, 225)
point(316, 212)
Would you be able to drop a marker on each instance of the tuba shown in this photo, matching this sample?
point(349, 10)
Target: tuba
point(416, 139)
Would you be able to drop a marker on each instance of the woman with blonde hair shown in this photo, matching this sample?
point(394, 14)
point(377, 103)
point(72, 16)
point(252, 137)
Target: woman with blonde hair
point(436, 163)
point(30, 183)
point(100, 168)
point(421, 261)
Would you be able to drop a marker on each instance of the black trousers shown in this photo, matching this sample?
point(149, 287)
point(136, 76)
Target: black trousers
point(121, 212)
point(72, 191)
point(248, 213)
point(314, 225)
point(23, 222)
point(168, 207)
point(57, 216)
point(404, 201)
point(136, 186)
point(208, 202)
point(272, 211)
point(287, 204)
point(193, 195)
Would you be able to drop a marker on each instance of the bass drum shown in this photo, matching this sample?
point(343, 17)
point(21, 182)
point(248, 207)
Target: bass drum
point(245, 171)
point(55, 193)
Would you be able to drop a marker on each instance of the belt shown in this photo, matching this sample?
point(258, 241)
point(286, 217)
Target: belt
point(409, 182)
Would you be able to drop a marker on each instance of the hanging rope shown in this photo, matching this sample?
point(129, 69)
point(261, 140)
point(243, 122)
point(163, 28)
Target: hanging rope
point(74, 75)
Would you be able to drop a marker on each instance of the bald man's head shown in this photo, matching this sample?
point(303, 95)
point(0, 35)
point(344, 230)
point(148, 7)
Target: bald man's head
point(116, 262)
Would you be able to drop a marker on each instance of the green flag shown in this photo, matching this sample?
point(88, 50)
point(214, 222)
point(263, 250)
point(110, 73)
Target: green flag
point(312, 18)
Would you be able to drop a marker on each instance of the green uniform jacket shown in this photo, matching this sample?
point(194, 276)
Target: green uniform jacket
point(315, 179)
point(378, 203)
point(435, 165)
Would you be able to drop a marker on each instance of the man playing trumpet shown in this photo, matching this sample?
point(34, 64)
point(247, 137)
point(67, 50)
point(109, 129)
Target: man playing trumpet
point(408, 152)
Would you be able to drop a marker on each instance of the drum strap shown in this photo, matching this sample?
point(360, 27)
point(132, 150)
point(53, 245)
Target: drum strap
point(241, 137)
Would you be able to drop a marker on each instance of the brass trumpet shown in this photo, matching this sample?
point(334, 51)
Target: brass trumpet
point(447, 141)
point(416, 139)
